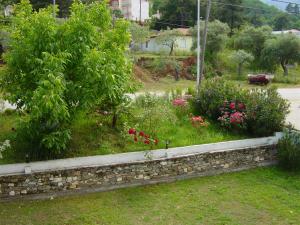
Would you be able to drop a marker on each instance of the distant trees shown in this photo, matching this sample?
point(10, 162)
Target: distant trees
point(139, 35)
point(216, 37)
point(241, 58)
point(230, 14)
point(283, 50)
point(252, 40)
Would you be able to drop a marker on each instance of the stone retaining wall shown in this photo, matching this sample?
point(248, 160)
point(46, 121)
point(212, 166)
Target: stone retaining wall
point(152, 167)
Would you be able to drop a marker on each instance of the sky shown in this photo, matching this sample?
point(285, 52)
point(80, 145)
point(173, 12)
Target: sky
point(280, 5)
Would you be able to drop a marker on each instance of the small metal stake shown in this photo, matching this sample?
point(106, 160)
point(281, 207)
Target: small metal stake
point(167, 144)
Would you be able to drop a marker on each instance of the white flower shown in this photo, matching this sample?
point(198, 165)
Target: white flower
point(4, 146)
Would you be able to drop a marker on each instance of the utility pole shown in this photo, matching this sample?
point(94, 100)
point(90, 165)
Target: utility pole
point(198, 50)
point(140, 12)
point(208, 7)
point(54, 8)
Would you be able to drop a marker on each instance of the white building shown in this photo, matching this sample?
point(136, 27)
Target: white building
point(136, 10)
point(184, 42)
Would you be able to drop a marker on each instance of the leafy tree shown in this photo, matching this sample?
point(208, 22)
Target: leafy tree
point(139, 34)
point(168, 39)
point(283, 50)
point(56, 69)
point(230, 14)
point(282, 22)
point(216, 37)
point(241, 58)
point(176, 13)
point(252, 40)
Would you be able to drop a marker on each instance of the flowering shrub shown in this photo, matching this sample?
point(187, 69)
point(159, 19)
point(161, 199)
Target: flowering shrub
point(181, 107)
point(233, 115)
point(198, 121)
point(142, 137)
point(3, 147)
point(180, 102)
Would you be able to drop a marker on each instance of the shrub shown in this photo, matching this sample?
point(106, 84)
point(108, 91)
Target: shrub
point(266, 111)
point(289, 150)
point(212, 95)
point(233, 115)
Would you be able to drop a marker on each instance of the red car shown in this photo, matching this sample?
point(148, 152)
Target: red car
point(258, 79)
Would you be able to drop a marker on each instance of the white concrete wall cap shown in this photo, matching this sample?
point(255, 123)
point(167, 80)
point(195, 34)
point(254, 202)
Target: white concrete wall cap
point(134, 157)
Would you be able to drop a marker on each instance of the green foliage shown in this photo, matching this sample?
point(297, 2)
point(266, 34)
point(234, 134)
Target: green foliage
point(262, 106)
point(252, 40)
point(56, 69)
point(232, 15)
point(217, 36)
point(139, 34)
point(168, 38)
point(175, 12)
point(213, 93)
point(265, 111)
point(283, 50)
point(241, 58)
point(289, 150)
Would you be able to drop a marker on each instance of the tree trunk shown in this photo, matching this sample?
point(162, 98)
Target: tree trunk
point(172, 49)
point(285, 69)
point(114, 120)
point(240, 69)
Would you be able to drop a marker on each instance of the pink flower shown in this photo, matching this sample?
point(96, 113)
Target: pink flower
point(232, 105)
point(237, 118)
point(179, 102)
point(241, 106)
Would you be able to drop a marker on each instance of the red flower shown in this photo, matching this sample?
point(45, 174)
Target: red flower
point(132, 131)
point(155, 141)
point(232, 105)
point(147, 141)
point(135, 139)
point(141, 134)
point(146, 136)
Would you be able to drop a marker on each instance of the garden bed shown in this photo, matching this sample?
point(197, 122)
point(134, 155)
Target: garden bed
point(92, 133)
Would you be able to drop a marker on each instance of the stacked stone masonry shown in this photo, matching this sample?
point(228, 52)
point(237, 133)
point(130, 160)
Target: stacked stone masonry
point(135, 173)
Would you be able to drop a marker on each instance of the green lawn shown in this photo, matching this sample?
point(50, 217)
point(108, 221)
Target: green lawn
point(261, 196)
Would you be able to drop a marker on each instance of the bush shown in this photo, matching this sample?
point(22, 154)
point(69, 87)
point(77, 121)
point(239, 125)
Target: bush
point(289, 150)
point(212, 95)
point(265, 111)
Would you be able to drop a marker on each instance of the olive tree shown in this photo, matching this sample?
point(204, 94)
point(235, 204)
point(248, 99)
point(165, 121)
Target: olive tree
point(283, 50)
point(241, 58)
point(217, 36)
point(252, 39)
point(168, 38)
point(57, 68)
point(139, 35)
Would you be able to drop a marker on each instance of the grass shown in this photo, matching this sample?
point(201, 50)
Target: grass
point(260, 196)
point(167, 84)
point(92, 133)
